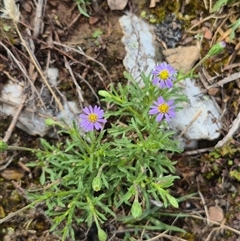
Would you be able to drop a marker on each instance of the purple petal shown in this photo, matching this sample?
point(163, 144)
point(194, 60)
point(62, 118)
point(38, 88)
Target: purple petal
point(161, 84)
point(89, 127)
point(159, 117)
point(91, 109)
point(101, 120)
point(171, 113)
point(167, 117)
point(160, 100)
point(155, 72)
point(83, 116)
point(86, 110)
point(169, 83)
point(170, 102)
point(100, 114)
point(155, 81)
point(153, 111)
point(97, 126)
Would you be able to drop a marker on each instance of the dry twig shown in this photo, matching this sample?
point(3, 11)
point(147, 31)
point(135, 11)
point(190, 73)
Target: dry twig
point(80, 51)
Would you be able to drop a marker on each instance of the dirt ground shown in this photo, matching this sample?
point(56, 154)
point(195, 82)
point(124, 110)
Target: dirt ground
point(214, 211)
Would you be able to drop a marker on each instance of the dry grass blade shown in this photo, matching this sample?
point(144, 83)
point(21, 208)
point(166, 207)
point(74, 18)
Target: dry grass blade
point(11, 10)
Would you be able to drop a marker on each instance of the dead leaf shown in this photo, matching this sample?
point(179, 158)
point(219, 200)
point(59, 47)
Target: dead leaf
point(27, 7)
point(213, 91)
point(117, 4)
point(216, 213)
point(207, 33)
point(153, 3)
point(11, 174)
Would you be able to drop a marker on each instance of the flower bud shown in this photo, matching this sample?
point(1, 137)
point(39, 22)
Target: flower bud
point(97, 184)
point(102, 235)
point(217, 48)
point(51, 122)
point(104, 93)
point(3, 146)
point(136, 209)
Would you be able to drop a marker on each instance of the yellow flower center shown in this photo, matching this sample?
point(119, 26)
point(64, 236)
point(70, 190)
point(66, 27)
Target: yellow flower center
point(164, 74)
point(92, 117)
point(163, 108)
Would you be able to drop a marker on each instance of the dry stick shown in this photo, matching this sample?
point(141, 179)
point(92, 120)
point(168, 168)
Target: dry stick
point(210, 234)
point(20, 107)
point(234, 54)
point(78, 88)
point(90, 87)
point(6, 162)
point(216, 223)
point(80, 51)
point(143, 231)
point(11, 215)
point(67, 65)
point(14, 120)
point(25, 109)
point(198, 151)
point(38, 22)
point(222, 82)
point(231, 66)
point(218, 28)
point(210, 6)
point(231, 132)
point(204, 203)
point(24, 72)
point(203, 20)
point(163, 235)
point(190, 123)
point(206, 87)
point(38, 68)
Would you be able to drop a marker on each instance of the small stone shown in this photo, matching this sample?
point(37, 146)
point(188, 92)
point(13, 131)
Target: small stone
point(93, 20)
point(117, 4)
point(216, 213)
point(182, 58)
point(207, 33)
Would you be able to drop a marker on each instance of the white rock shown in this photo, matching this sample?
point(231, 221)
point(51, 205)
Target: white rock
point(139, 44)
point(140, 47)
point(202, 109)
point(32, 120)
point(52, 74)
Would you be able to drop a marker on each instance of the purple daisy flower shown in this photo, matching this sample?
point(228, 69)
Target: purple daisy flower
point(163, 109)
point(164, 74)
point(92, 118)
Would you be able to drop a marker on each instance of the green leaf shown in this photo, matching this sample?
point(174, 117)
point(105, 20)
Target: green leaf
point(102, 235)
point(6, 28)
point(219, 4)
point(42, 178)
point(82, 10)
point(96, 183)
point(3, 146)
point(96, 34)
point(173, 201)
point(136, 209)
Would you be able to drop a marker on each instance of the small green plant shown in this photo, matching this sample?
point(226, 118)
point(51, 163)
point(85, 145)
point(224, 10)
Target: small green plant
point(81, 4)
point(95, 172)
point(221, 3)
